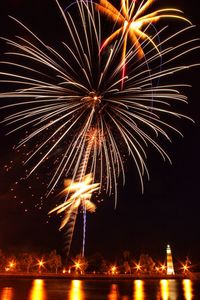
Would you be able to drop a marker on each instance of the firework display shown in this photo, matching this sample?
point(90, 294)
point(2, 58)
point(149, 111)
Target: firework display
point(135, 25)
point(91, 104)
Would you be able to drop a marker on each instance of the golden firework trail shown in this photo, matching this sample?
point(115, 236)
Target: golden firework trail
point(79, 192)
point(80, 196)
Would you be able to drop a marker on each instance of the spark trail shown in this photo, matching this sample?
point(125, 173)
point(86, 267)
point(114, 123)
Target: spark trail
point(81, 189)
point(134, 24)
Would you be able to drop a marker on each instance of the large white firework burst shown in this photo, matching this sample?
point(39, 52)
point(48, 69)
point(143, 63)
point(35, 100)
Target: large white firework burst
point(60, 95)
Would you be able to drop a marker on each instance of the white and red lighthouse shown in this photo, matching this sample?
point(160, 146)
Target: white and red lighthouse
point(170, 266)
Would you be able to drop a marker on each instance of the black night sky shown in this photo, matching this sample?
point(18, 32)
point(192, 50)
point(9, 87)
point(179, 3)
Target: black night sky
point(169, 210)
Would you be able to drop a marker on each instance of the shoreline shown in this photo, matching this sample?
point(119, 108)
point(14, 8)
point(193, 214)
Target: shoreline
point(20, 275)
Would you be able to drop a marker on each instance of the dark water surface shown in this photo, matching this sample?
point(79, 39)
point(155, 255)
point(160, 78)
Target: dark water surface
point(62, 289)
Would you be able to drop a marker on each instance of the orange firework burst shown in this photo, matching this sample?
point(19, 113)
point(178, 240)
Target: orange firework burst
point(134, 23)
point(81, 193)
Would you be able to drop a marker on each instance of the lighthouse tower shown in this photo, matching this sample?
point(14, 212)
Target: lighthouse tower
point(170, 267)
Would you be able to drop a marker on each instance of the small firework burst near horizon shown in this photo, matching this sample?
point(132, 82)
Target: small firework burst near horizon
point(61, 94)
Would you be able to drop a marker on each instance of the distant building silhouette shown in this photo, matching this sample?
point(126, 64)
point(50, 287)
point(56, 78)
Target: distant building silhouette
point(170, 267)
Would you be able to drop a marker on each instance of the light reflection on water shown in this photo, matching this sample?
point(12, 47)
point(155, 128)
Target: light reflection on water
point(38, 291)
point(7, 293)
point(102, 290)
point(164, 289)
point(76, 290)
point(168, 289)
point(188, 289)
point(138, 293)
point(114, 293)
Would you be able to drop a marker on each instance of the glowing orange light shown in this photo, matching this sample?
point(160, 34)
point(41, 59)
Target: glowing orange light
point(188, 290)
point(139, 290)
point(185, 268)
point(138, 267)
point(11, 266)
point(38, 290)
point(163, 267)
point(164, 289)
point(113, 270)
point(114, 293)
point(76, 292)
point(7, 293)
point(41, 264)
point(77, 265)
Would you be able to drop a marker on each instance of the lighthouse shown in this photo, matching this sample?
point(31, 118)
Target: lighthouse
point(170, 267)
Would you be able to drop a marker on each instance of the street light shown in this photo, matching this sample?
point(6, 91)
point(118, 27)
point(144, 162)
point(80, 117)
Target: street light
point(40, 265)
point(11, 266)
point(185, 268)
point(78, 266)
point(163, 268)
point(113, 270)
point(138, 267)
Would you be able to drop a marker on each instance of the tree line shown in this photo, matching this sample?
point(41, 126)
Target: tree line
point(52, 263)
